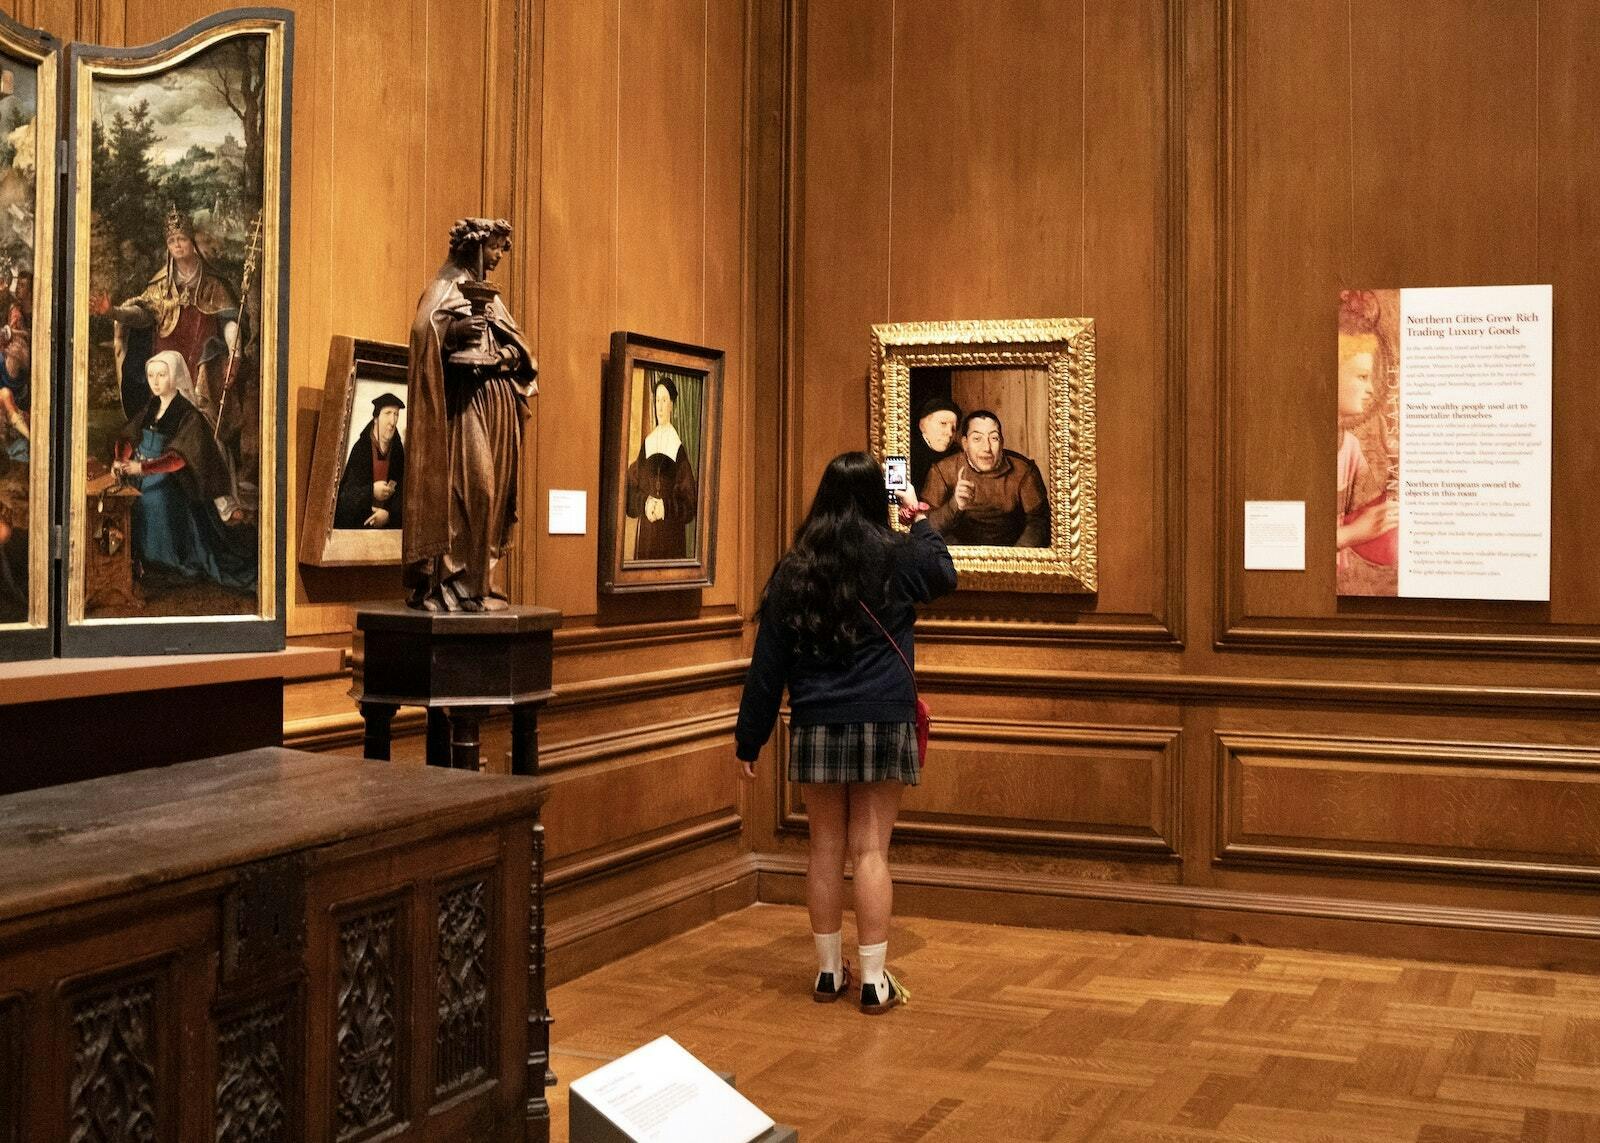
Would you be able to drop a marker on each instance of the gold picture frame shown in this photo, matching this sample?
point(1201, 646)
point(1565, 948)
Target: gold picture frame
point(28, 94)
point(189, 558)
point(1036, 373)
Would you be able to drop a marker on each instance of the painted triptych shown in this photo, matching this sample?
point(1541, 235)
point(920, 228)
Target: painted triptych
point(174, 491)
point(28, 131)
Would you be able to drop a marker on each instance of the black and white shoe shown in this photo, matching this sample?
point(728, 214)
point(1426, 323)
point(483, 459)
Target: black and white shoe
point(876, 1001)
point(826, 990)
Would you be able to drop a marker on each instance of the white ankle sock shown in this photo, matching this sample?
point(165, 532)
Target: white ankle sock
point(872, 958)
point(830, 958)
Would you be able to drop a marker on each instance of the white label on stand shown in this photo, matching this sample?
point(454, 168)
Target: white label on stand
point(661, 1094)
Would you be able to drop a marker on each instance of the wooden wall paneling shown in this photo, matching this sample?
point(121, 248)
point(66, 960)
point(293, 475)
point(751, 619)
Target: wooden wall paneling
point(1133, 249)
point(578, 250)
point(644, 804)
point(987, 154)
point(982, 160)
point(1046, 785)
point(58, 17)
point(105, 21)
point(663, 190)
point(770, 121)
point(1567, 229)
point(515, 149)
point(842, 260)
point(1498, 936)
point(661, 170)
point(1198, 80)
point(1459, 70)
point(377, 143)
point(151, 20)
point(1401, 804)
point(359, 269)
point(725, 262)
point(452, 123)
point(1286, 214)
point(592, 924)
point(313, 280)
point(1338, 177)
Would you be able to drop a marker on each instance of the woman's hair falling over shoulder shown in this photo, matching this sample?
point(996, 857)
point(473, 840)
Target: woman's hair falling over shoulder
point(839, 559)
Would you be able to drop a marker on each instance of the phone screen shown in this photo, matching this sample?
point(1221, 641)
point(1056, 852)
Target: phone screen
point(896, 474)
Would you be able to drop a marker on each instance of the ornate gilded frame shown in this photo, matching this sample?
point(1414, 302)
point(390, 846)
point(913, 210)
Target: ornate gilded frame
point(1064, 348)
point(262, 630)
point(32, 637)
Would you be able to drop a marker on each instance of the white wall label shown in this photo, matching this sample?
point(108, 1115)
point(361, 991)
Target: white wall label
point(569, 511)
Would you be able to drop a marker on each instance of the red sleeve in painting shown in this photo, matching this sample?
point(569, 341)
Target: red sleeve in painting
point(166, 462)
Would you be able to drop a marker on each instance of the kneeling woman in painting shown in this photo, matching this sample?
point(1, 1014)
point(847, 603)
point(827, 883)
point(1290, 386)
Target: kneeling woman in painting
point(187, 523)
point(833, 604)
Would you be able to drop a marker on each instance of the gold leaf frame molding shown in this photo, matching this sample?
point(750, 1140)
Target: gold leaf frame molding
point(1064, 349)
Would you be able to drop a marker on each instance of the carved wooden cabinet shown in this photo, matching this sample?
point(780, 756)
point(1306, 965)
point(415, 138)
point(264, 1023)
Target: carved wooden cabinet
point(273, 947)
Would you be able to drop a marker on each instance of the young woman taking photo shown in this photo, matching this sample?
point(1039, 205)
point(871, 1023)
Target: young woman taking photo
point(836, 629)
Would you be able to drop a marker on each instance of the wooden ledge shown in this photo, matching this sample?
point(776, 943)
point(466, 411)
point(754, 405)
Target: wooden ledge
point(44, 680)
point(86, 841)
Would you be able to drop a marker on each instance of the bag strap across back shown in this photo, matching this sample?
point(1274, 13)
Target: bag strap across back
point(893, 644)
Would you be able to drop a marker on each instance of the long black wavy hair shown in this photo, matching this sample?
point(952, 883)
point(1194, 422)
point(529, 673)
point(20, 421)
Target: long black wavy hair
point(840, 558)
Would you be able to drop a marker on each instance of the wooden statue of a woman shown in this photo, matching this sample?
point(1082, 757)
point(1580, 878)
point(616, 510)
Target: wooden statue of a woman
point(471, 375)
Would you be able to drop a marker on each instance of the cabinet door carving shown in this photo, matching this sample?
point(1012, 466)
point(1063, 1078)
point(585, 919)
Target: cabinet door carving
point(114, 1064)
point(367, 1095)
point(461, 1056)
point(253, 1073)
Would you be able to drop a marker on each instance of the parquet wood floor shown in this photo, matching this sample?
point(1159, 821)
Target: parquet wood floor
point(1029, 1034)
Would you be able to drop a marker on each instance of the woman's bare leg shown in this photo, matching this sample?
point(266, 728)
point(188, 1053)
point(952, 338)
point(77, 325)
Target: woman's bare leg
point(825, 807)
point(873, 806)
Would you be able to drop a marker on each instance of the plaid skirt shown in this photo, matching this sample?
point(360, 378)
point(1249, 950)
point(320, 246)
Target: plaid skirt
point(854, 752)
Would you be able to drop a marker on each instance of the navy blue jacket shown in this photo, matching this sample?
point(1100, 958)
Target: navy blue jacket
point(873, 685)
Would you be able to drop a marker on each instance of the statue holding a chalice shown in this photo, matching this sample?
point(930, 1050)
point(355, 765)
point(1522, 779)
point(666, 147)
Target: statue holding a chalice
point(471, 375)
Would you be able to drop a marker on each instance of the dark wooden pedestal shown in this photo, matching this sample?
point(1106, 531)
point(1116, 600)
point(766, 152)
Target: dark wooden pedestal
point(458, 666)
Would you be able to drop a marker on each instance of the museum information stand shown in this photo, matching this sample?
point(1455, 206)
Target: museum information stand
point(457, 665)
point(272, 946)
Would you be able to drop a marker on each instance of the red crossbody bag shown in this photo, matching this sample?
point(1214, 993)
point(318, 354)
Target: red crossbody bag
point(924, 719)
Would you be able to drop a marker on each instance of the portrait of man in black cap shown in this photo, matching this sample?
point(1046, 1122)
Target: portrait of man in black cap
point(933, 435)
point(374, 474)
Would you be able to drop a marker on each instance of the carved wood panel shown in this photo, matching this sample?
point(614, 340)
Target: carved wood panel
point(115, 1056)
point(462, 1040)
point(368, 1093)
point(253, 1103)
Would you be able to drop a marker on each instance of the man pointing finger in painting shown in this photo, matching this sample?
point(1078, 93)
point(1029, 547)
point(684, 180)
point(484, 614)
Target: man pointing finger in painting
point(987, 494)
point(963, 492)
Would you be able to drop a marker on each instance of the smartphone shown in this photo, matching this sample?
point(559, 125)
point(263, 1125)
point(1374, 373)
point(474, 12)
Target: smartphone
point(896, 475)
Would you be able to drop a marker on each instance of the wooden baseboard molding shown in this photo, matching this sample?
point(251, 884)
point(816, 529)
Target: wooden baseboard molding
point(586, 942)
point(1375, 928)
point(683, 835)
